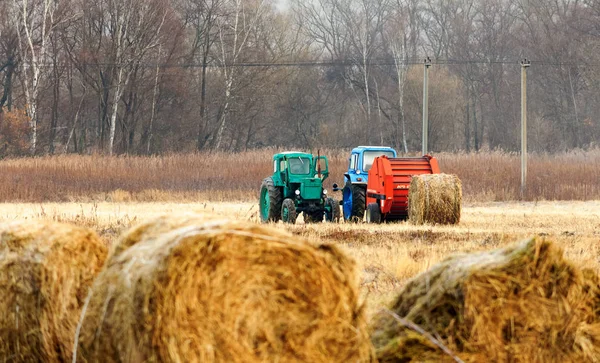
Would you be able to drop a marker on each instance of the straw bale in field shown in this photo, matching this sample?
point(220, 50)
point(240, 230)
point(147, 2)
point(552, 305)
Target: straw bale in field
point(151, 228)
point(520, 304)
point(434, 198)
point(46, 270)
point(223, 291)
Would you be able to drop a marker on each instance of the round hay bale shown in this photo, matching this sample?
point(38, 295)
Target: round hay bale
point(525, 303)
point(151, 228)
point(46, 270)
point(223, 292)
point(434, 198)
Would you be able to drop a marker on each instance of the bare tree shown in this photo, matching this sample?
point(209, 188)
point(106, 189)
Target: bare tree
point(234, 32)
point(9, 57)
point(551, 32)
point(320, 20)
point(37, 21)
point(352, 30)
point(201, 16)
point(400, 36)
point(135, 29)
point(436, 24)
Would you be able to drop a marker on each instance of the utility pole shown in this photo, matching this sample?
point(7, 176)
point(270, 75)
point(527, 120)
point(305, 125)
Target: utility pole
point(524, 65)
point(426, 64)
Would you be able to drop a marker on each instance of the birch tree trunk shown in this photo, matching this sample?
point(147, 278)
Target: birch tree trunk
point(153, 114)
point(241, 27)
point(122, 29)
point(365, 67)
point(33, 50)
point(115, 108)
point(400, 61)
point(138, 29)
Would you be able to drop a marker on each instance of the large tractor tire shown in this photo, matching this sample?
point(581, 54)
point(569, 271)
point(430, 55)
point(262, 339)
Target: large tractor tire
point(354, 202)
point(334, 214)
point(288, 211)
point(373, 213)
point(270, 201)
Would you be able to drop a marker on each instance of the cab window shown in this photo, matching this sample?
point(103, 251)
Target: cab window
point(299, 165)
point(369, 157)
point(353, 160)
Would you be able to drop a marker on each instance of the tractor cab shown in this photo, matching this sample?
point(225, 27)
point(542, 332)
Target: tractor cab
point(300, 174)
point(297, 186)
point(356, 177)
point(361, 159)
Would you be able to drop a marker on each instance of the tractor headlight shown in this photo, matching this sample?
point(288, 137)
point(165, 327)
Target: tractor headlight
point(297, 192)
point(325, 191)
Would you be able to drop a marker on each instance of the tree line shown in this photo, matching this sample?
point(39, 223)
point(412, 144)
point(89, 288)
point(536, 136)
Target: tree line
point(157, 76)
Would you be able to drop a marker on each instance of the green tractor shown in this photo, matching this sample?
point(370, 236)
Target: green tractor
point(297, 186)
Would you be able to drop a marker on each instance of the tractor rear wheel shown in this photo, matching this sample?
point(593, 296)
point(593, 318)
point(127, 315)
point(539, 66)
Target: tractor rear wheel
point(270, 201)
point(354, 202)
point(334, 207)
point(288, 211)
point(373, 213)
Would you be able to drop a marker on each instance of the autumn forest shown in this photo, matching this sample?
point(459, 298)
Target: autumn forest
point(156, 76)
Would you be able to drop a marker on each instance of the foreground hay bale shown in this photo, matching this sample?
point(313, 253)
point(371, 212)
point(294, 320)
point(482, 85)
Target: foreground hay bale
point(151, 228)
point(223, 292)
point(520, 304)
point(434, 198)
point(46, 270)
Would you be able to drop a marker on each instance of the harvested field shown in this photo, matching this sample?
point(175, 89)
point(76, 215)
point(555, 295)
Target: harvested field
point(194, 289)
point(46, 269)
point(387, 255)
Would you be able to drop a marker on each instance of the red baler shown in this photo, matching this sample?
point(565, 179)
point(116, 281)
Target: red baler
point(389, 180)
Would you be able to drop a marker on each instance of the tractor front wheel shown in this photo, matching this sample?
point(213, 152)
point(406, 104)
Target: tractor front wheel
point(270, 201)
point(354, 202)
point(288, 211)
point(333, 215)
point(373, 213)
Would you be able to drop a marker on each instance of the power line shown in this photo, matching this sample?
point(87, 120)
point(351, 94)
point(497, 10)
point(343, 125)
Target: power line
point(333, 63)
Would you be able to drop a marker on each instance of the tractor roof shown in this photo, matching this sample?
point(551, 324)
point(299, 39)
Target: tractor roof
point(364, 148)
point(292, 153)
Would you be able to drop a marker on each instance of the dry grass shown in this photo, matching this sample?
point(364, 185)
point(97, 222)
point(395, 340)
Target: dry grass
point(487, 176)
point(388, 254)
point(496, 176)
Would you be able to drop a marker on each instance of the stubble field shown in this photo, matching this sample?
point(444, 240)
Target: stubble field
point(387, 254)
point(562, 204)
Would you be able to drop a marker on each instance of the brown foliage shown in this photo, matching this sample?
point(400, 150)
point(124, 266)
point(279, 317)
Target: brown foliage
point(14, 132)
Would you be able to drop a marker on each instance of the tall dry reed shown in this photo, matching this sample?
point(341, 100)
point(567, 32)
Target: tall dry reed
point(486, 176)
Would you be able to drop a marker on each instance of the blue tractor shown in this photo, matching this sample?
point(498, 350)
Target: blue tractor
point(355, 179)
